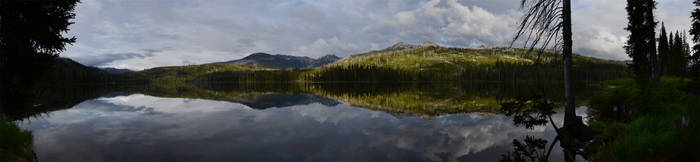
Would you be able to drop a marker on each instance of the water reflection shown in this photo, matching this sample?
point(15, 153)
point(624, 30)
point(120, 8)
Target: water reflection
point(300, 123)
point(529, 112)
point(147, 128)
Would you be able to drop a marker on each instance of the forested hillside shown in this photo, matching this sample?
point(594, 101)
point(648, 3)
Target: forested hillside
point(434, 63)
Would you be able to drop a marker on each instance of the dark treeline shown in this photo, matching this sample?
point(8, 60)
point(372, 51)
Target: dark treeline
point(501, 72)
point(258, 76)
point(673, 56)
point(68, 72)
point(362, 73)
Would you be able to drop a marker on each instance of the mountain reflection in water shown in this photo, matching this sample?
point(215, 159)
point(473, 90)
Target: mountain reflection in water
point(199, 124)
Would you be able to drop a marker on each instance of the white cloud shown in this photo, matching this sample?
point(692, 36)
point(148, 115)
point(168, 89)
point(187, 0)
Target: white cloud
point(322, 47)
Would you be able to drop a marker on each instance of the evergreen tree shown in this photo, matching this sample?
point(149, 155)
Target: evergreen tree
point(671, 40)
point(685, 55)
point(695, 32)
point(641, 45)
point(31, 37)
point(663, 50)
point(679, 54)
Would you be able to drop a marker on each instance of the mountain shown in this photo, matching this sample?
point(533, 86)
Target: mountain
point(400, 62)
point(325, 60)
point(282, 61)
point(68, 71)
point(405, 46)
point(70, 64)
point(115, 70)
point(400, 46)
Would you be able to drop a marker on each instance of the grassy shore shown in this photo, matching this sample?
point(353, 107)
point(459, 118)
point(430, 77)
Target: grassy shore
point(15, 144)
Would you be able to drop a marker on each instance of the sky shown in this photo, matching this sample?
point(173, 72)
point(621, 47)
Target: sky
point(141, 34)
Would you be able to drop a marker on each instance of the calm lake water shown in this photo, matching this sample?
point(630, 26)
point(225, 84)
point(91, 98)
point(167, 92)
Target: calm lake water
point(205, 124)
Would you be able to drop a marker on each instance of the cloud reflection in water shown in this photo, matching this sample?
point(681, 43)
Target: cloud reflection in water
point(145, 128)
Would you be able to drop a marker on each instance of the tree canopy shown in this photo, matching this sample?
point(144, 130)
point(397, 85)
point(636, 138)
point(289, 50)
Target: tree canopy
point(31, 36)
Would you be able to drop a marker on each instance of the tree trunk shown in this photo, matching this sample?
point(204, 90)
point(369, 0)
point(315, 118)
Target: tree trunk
point(570, 111)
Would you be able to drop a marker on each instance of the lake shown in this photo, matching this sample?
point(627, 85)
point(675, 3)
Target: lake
point(233, 122)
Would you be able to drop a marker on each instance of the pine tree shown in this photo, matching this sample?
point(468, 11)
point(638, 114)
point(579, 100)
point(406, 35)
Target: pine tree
point(663, 50)
point(685, 55)
point(641, 45)
point(695, 32)
point(678, 55)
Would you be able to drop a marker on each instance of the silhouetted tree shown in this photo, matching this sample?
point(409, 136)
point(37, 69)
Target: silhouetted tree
point(695, 32)
point(641, 44)
point(30, 38)
point(663, 50)
point(679, 53)
point(548, 23)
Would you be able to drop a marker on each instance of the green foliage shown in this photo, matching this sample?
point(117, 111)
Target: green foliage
point(655, 124)
point(15, 144)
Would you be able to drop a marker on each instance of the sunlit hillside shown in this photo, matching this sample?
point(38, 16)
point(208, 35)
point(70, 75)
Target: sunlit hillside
point(433, 57)
point(429, 62)
point(402, 62)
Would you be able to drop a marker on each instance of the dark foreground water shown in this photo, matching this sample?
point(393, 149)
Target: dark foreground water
point(277, 127)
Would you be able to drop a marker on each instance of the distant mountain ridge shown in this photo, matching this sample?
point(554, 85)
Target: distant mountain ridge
point(279, 61)
point(115, 70)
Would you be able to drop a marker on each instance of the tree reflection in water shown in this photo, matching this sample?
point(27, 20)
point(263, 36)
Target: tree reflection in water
point(529, 112)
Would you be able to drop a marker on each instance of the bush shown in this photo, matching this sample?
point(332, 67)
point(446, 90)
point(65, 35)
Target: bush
point(647, 124)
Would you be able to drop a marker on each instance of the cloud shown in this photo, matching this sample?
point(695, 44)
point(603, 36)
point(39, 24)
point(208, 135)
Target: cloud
point(322, 47)
point(104, 59)
point(195, 32)
point(449, 22)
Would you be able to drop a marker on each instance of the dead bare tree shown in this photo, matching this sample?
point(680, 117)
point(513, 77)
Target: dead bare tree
point(546, 24)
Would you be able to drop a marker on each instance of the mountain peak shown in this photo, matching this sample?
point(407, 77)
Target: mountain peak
point(279, 61)
point(259, 54)
point(329, 56)
point(401, 46)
